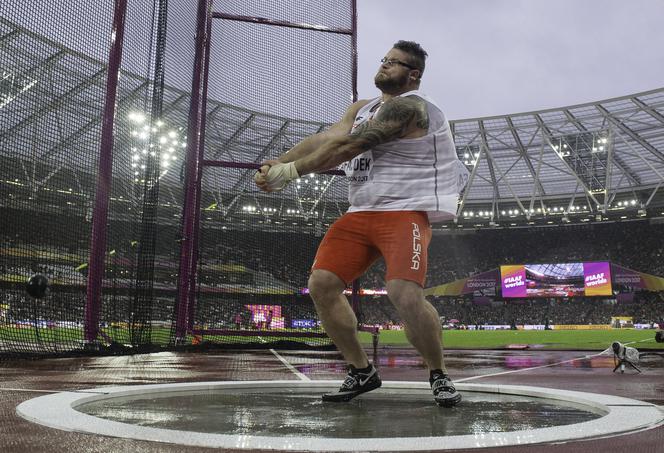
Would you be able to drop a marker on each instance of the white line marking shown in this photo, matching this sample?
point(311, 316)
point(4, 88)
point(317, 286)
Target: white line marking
point(607, 350)
point(289, 366)
point(472, 378)
point(5, 389)
point(28, 390)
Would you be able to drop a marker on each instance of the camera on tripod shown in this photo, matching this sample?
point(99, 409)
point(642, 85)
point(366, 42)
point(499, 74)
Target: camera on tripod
point(624, 355)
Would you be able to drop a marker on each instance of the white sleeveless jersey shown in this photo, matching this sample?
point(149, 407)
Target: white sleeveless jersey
point(414, 174)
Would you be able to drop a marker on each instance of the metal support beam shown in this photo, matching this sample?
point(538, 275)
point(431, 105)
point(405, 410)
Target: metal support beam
point(617, 161)
point(524, 154)
point(546, 134)
point(649, 110)
point(494, 183)
point(58, 101)
point(630, 133)
point(259, 158)
point(243, 127)
point(94, 122)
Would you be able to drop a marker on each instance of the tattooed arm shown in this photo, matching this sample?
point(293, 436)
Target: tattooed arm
point(400, 117)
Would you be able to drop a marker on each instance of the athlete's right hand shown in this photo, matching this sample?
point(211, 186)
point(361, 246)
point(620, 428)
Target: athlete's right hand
point(260, 176)
point(274, 175)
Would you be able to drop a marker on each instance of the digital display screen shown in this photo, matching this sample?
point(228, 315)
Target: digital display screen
point(597, 278)
point(556, 280)
point(267, 316)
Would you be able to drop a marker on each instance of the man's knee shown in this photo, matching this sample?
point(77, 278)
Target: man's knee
point(405, 294)
point(323, 284)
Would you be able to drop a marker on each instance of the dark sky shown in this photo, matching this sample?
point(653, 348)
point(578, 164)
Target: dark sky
point(491, 57)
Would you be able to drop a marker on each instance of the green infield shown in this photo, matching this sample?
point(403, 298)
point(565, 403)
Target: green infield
point(157, 336)
point(596, 340)
point(549, 339)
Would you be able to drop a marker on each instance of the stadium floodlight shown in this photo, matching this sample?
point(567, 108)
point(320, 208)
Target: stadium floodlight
point(633, 202)
point(137, 117)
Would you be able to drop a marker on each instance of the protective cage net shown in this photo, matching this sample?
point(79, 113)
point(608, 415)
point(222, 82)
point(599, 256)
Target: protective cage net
point(272, 86)
point(54, 60)
point(269, 87)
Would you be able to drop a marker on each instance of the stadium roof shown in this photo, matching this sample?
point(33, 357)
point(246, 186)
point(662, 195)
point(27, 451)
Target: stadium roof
point(589, 160)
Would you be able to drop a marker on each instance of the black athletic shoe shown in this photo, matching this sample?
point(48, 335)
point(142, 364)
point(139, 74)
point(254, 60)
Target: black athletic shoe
point(444, 392)
point(356, 383)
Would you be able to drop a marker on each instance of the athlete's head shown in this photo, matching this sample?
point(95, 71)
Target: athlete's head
point(401, 69)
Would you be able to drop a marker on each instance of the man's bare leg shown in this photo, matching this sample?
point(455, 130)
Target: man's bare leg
point(336, 315)
point(420, 319)
point(423, 330)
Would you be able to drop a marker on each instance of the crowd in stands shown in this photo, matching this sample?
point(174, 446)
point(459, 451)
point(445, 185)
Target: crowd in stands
point(287, 257)
point(647, 308)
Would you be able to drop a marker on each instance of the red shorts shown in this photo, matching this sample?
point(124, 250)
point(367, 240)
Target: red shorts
point(357, 239)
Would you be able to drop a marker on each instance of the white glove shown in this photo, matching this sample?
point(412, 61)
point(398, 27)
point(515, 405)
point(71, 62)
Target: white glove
point(279, 175)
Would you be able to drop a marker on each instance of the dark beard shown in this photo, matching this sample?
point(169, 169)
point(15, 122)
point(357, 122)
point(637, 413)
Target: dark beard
point(391, 85)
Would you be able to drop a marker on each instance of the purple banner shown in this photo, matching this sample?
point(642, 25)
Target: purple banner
point(485, 280)
point(625, 298)
point(626, 277)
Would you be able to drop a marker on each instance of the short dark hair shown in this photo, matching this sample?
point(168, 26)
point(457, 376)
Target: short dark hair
point(417, 54)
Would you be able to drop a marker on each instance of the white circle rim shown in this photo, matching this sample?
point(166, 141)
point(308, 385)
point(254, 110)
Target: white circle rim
point(622, 415)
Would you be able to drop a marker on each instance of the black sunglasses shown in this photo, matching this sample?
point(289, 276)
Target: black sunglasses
point(393, 61)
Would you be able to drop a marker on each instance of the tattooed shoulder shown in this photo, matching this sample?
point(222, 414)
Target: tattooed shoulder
point(397, 118)
point(407, 109)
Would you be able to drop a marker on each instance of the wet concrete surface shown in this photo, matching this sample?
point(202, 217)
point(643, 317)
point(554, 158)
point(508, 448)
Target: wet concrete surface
point(300, 412)
point(23, 380)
